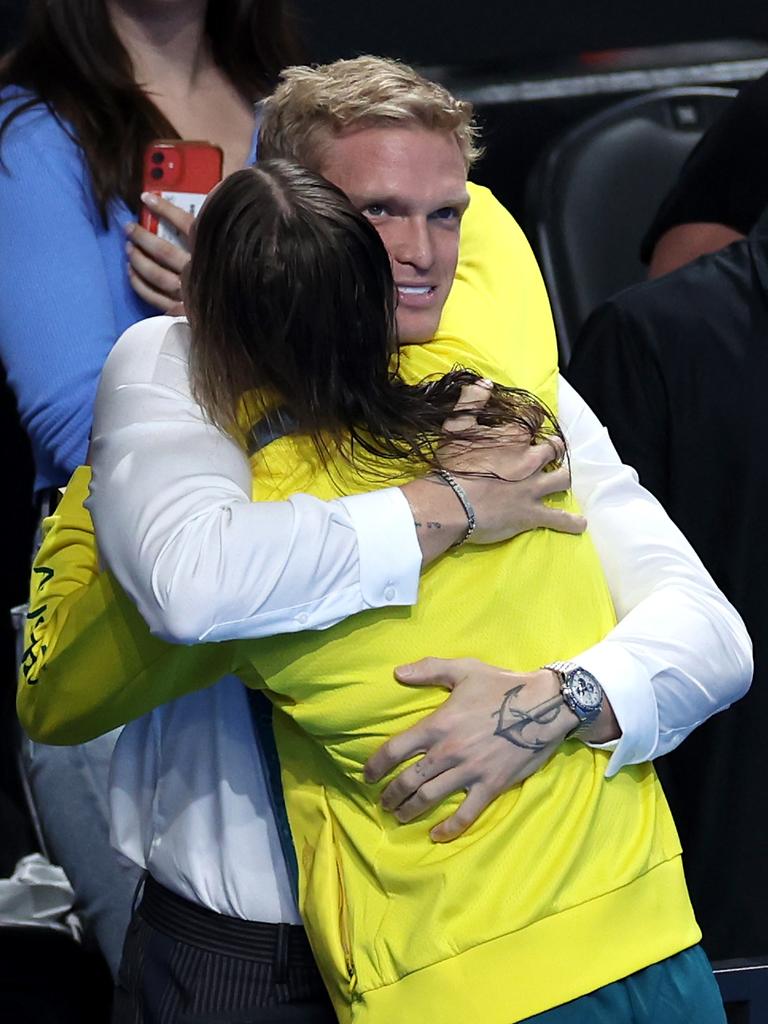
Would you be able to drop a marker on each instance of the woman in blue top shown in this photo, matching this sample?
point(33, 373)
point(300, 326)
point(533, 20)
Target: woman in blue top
point(90, 84)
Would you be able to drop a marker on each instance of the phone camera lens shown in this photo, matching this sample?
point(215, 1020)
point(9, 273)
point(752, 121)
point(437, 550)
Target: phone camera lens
point(157, 157)
point(157, 172)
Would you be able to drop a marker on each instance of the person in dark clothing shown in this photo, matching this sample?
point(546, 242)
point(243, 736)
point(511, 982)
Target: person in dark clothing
point(721, 190)
point(677, 370)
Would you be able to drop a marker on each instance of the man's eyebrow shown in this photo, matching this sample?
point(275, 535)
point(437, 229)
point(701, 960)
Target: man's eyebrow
point(366, 198)
point(461, 201)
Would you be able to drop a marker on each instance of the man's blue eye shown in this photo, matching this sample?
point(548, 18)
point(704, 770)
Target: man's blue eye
point(374, 210)
point(446, 213)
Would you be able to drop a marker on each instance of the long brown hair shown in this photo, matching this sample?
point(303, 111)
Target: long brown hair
point(291, 304)
point(71, 60)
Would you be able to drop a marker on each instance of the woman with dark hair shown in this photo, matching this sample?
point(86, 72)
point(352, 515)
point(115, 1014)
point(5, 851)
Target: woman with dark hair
point(89, 85)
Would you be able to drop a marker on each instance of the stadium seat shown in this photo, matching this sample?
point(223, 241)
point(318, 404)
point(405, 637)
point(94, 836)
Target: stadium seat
point(594, 192)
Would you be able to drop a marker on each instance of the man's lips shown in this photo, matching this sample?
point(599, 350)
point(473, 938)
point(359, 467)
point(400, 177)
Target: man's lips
point(415, 296)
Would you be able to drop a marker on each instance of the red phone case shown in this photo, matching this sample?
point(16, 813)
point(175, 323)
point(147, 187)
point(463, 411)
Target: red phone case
point(179, 166)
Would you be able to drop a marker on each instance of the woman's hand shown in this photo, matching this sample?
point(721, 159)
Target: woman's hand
point(154, 264)
point(505, 477)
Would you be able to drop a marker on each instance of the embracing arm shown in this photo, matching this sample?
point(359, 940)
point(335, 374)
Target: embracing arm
point(171, 502)
point(89, 662)
point(680, 651)
point(678, 654)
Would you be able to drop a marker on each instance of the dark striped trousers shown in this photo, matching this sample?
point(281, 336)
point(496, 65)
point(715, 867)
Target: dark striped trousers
point(185, 964)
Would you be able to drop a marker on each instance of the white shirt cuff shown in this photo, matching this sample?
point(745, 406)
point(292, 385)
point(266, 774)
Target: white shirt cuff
point(628, 688)
point(389, 552)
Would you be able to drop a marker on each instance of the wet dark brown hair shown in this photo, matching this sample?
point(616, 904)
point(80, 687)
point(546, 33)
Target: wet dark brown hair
point(291, 304)
point(72, 61)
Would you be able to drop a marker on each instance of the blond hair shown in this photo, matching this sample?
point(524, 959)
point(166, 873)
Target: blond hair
point(313, 104)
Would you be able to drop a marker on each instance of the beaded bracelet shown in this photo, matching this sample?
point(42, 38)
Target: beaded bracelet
point(466, 504)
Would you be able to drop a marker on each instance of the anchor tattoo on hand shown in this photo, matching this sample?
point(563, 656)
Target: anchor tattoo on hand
point(515, 724)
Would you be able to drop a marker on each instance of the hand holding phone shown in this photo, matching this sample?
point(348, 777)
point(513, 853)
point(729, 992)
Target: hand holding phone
point(183, 172)
point(178, 174)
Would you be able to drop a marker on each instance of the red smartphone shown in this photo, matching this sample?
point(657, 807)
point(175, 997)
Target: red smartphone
point(182, 171)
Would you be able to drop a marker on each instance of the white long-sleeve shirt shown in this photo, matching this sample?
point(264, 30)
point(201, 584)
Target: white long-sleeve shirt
point(175, 523)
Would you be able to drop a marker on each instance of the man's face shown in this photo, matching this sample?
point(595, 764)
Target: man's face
point(411, 184)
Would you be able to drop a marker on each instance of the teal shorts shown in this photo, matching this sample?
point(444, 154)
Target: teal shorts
point(679, 990)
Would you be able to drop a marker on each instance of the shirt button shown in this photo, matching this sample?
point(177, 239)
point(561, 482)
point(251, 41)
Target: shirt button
point(303, 618)
point(389, 594)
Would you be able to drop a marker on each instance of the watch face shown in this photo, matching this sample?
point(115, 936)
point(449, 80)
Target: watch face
point(585, 689)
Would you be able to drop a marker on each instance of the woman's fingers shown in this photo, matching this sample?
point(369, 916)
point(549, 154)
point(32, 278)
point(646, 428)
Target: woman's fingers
point(179, 219)
point(165, 254)
point(561, 521)
point(553, 482)
point(155, 264)
point(164, 303)
point(471, 400)
point(156, 277)
point(154, 268)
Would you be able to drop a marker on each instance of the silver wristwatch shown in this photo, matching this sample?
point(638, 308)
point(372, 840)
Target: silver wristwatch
point(581, 692)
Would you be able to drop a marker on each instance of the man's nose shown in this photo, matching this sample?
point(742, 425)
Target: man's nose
point(413, 244)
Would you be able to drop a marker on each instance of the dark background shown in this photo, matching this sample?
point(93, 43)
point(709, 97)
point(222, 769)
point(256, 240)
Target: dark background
point(506, 33)
point(515, 33)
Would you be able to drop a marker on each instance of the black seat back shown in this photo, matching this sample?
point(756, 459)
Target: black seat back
point(594, 192)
